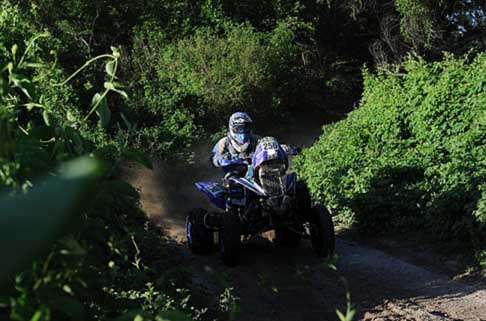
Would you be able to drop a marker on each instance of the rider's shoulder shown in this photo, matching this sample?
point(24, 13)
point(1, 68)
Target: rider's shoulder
point(222, 141)
point(222, 144)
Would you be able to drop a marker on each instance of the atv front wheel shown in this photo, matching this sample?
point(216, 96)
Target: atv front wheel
point(230, 239)
point(322, 232)
point(199, 238)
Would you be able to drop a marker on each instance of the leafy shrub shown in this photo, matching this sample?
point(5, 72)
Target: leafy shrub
point(416, 22)
point(198, 81)
point(412, 156)
point(102, 256)
point(13, 27)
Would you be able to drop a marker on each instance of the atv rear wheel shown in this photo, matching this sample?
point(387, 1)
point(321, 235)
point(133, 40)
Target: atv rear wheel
point(199, 238)
point(230, 239)
point(322, 232)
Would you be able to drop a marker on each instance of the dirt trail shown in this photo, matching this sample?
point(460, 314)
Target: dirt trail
point(281, 284)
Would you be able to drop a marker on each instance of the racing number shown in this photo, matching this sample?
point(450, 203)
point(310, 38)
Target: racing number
point(270, 145)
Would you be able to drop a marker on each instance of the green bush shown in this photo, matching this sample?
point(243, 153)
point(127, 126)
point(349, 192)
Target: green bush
point(198, 81)
point(13, 27)
point(79, 251)
point(413, 155)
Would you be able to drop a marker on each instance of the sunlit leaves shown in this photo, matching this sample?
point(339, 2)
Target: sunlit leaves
point(110, 68)
point(47, 117)
point(116, 87)
point(350, 312)
point(14, 50)
point(414, 147)
point(70, 117)
point(23, 83)
point(115, 52)
point(97, 98)
point(35, 65)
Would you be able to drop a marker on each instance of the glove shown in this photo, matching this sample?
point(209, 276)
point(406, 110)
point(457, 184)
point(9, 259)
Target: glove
point(219, 158)
point(291, 150)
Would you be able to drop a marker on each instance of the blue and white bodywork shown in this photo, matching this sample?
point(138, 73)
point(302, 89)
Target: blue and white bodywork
point(269, 150)
point(215, 192)
point(265, 177)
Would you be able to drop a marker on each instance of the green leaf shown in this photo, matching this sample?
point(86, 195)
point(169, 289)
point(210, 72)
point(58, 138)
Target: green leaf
point(115, 51)
point(102, 109)
point(340, 315)
point(37, 316)
point(96, 99)
point(70, 117)
point(116, 87)
point(9, 67)
point(119, 85)
point(31, 106)
point(109, 85)
point(23, 83)
point(137, 156)
point(15, 48)
point(350, 315)
point(31, 222)
point(122, 93)
point(104, 113)
point(34, 65)
point(110, 68)
point(47, 117)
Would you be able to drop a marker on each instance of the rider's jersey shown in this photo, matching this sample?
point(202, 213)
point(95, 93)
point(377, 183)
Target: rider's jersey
point(225, 150)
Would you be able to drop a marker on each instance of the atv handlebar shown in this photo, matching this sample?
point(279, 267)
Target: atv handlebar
point(291, 150)
point(232, 161)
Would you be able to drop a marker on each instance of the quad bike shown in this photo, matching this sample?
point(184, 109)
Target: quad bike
point(255, 198)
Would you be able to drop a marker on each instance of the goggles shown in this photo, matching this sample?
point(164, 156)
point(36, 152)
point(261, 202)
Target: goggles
point(241, 128)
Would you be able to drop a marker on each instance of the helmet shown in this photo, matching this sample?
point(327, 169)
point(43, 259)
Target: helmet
point(240, 130)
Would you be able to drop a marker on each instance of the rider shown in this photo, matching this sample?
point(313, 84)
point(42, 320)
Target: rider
point(240, 143)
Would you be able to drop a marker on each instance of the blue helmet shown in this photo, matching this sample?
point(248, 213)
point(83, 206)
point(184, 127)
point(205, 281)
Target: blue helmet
point(240, 128)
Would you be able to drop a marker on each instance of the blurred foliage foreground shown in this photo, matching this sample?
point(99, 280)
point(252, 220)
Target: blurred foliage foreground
point(412, 157)
point(75, 244)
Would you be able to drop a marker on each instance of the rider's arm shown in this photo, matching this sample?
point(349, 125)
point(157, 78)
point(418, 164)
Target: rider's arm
point(218, 153)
